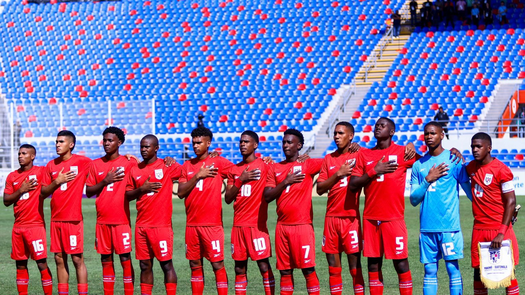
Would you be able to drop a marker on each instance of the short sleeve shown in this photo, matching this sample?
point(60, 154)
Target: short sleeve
point(175, 171)
point(323, 174)
point(130, 181)
point(359, 165)
point(9, 189)
point(505, 174)
point(226, 166)
point(313, 166)
point(270, 177)
point(230, 177)
point(46, 176)
point(92, 175)
point(184, 172)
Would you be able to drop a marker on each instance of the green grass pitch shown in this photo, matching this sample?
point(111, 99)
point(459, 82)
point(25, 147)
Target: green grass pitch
point(7, 266)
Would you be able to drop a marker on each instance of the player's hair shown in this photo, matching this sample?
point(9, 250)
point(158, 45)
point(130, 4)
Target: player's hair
point(69, 134)
point(202, 131)
point(152, 137)
point(117, 131)
point(28, 146)
point(433, 123)
point(251, 134)
point(347, 125)
point(389, 122)
point(295, 132)
point(482, 136)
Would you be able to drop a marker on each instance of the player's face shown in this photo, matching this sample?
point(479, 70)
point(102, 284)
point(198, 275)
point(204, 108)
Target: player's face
point(247, 145)
point(25, 156)
point(291, 145)
point(480, 149)
point(148, 148)
point(64, 145)
point(433, 136)
point(201, 144)
point(111, 143)
point(383, 129)
point(342, 136)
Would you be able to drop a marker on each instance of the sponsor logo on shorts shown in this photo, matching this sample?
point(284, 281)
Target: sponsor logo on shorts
point(216, 255)
point(260, 253)
point(399, 252)
point(354, 246)
point(307, 261)
point(164, 254)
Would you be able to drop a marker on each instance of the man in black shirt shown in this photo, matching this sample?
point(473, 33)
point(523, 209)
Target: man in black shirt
point(442, 118)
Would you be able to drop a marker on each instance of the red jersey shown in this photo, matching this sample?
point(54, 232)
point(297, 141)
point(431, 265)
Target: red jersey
point(66, 201)
point(294, 205)
point(112, 204)
point(29, 209)
point(204, 203)
point(385, 194)
point(489, 182)
point(339, 203)
point(250, 208)
point(154, 209)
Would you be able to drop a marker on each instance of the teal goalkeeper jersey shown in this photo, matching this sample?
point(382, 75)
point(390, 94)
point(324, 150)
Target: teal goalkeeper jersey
point(439, 210)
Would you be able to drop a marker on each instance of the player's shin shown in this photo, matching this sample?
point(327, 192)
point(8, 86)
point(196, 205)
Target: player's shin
point(82, 289)
point(514, 288)
point(456, 282)
point(63, 289)
point(336, 281)
point(108, 277)
point(430, 281)
point(171, 288)
point(128, 277)
point(22, 281)
point(405, 283)
point(221, 279)
point(268, 282)
point(241, 282)
point(376, 284)
point(358, 281)
point(287, 284)
point(145, 289)
point(312, 283)
point(197, 280)
point(47, 281)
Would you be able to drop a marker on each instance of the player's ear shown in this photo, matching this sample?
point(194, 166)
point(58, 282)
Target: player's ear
point(255, 146)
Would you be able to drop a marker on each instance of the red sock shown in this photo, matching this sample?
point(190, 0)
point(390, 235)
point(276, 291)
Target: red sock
point(376, 285)
point(197, 280)
point(22, 281)
point(268, 283)
point(82, 289)
point(286, 284)
point(335, 280)
point(108, 277)
point(63, 289)
point(145, 289)
point(47, 281)
point(358, 281)
point(171, 288)
point(221, 279)
point(128, 276)
point(241, 282)
point(513, 289)
point(312, 284)
point(479, 288)
point(405, 283)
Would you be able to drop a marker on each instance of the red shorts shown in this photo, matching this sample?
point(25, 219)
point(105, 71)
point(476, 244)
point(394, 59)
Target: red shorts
point(113, 237)
point(385, 237)
point(28, 241)
point(67, 237)
point(487, 235)
point(205, 241)
point(342, 234)
point(295, 246)
point(250, 242)
point(154, 242)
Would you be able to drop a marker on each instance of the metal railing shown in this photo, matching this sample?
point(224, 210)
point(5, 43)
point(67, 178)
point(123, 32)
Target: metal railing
point(338, 111)
point(377, 53)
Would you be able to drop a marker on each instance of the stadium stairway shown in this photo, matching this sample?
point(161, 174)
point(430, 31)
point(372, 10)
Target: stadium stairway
point(384, 62)
point(497, 104)
point(323, 138)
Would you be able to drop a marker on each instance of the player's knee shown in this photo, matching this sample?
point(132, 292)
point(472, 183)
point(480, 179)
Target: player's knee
point(106, 258)
point(145, 265)
point(41, 264)
point(401, 265)
point(59, 259)
point(307, 271)
point(217, 265)
point(453, 269)
point(286, 272)
point(21, 264)
point(125, 257)
point(431, 269)
point(195, 263)
point(167, 265)
point(264, 265)
point(78, 260)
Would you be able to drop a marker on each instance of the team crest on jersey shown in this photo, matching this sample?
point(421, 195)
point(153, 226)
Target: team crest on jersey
point(159, 173)
point(488, 179)
point(495, 256)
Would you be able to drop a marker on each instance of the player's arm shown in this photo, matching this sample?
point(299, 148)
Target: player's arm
point(272, 193)
point(185, 188)
point(232, 190)
point(467, 189)
point(344, 171)
point(418, 190)
point(27, 186)
point(146, 188)
point(357, 182)
point(509, 203)
point(61, 179)
point(111, 177)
